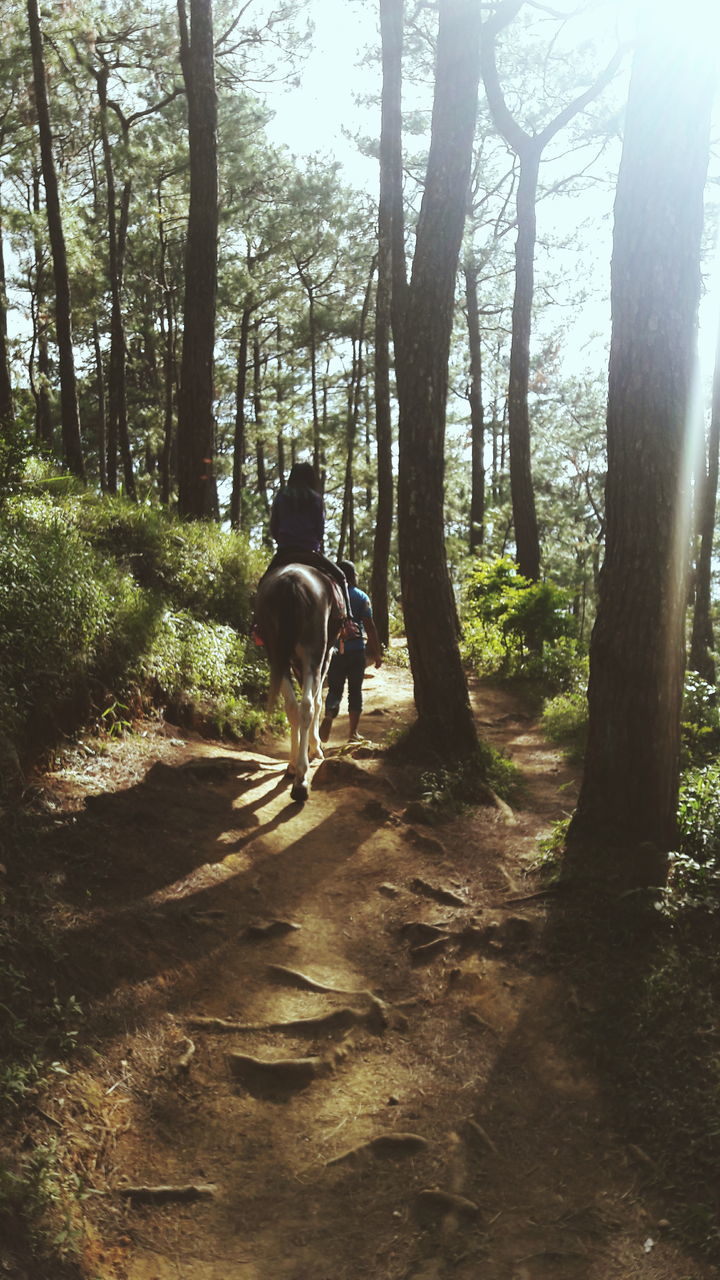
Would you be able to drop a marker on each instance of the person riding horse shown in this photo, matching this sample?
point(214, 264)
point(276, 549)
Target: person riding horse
point(297, 524)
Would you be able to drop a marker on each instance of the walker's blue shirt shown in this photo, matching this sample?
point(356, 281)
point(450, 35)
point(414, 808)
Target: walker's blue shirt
point(361, 611)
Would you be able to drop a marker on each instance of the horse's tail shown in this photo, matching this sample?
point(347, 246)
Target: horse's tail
point(286, 619)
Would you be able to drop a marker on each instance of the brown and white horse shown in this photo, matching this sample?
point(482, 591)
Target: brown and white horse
point(299, 613)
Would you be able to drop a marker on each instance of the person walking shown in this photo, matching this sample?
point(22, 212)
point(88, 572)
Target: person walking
point(348, 666)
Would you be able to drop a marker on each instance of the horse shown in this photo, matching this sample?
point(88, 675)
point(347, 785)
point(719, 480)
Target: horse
point(299, 612)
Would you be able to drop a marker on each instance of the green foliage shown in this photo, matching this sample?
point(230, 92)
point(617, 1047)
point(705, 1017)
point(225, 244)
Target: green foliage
point(104, 600)
point(694, 879)
point(514, 627)
point(197, 567)
point(701, 720)
point(565, 720)
point(453, 789)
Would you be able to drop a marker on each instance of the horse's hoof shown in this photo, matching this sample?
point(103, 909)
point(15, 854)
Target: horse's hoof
point(300, 792)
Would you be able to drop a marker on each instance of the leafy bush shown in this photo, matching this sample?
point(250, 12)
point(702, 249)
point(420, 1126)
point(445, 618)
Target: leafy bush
point(197, 567)
point(694, 879)
point(454, 788)
point(701, 720)
point(516, 627)
point(100, 599)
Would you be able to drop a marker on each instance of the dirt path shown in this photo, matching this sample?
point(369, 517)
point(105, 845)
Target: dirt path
point(424, 1114)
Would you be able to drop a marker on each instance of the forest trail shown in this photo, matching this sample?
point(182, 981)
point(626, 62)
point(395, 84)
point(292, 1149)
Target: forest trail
point(427, 1114)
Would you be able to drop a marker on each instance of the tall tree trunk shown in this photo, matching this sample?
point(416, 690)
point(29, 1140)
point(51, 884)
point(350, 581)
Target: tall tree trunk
point(7, 406)
point(239, 442)
point(702, 642)
point(197, 498)
point(280, 396)
point(441, 695)
point(69, 415)
point(102, 415)
point(41, 390)
point(117, 388)
point(391, 287)
point(527, 542)
point(168, 330)
point(357, 378)
point(630, 784)
point(529, 148)
point(477, 416)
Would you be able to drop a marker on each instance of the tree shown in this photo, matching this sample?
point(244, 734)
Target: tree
point(529, 147)
point(630, 783)
point(70, 417)
point(421, 359)
point(702, 641)
point(390, 295)
point(196, 427)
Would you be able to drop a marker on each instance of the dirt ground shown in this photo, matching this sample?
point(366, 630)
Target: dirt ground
point(331, 1033)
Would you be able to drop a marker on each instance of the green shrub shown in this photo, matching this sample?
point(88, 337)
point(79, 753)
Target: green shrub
point(565, 721)
point(514, 627)
point(701, 720)
point(100, 599)
point(694, 879)
point(197, 567)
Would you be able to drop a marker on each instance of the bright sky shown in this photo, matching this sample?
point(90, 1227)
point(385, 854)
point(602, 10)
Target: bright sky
point(311, 118)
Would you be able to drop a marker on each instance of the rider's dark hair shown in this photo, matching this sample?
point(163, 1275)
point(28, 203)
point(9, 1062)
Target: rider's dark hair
point(302, 483)
point(348, 569)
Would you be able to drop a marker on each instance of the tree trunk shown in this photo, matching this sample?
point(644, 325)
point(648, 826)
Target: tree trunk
point(168, 330)
point(529, 148)
point(441, 695)
point(7, 407)
point(117, 388)
point(630, 784)
point(44, 434)
point(70, 417)
point(702, 643)
point(239, 443)
point(521, 483)
point(391, 249)
point(102, 415)
point(477, 416)
point(197, 497)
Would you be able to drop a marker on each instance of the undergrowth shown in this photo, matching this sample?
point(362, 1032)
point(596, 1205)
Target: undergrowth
point(105, 602)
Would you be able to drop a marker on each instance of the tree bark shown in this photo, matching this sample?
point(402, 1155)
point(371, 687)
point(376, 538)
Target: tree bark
point(239, 442)
point(197, 497)
point(529, 149)
point(69, 414)
point(630, 784)
point(117, 387)
point(441, 695)
point(102, 415)
point(477, 415)
point(702, 642)
point(391, 250)
point(7, 405)
point(44, 433)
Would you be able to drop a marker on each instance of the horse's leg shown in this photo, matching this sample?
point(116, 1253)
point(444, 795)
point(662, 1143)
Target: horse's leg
point(291, 711)
point(316, 748)
point(307, 707)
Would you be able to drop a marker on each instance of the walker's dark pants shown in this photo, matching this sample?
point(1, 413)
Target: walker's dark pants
point(344, 667)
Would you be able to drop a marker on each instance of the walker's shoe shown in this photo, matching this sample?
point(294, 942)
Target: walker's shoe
point(325, 728)
point(356, 737)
